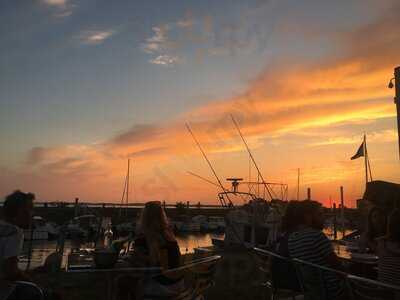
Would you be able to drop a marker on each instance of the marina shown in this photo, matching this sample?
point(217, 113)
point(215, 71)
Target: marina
point(200, 150)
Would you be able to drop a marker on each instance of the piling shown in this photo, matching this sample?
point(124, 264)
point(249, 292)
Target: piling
point(76, 207)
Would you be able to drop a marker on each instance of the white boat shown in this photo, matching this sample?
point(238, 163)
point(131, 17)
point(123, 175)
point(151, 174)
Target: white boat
point(255, 224)
point(41, 230)
point(191, 226)
point(210, 224)
point(216, 224)
point(126, 228)
point(83, 226)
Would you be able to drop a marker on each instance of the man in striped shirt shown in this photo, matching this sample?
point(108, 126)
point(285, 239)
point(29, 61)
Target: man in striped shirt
point(307, 242)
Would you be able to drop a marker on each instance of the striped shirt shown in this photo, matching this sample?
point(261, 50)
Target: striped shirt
point(389, 262)
point(313, 246)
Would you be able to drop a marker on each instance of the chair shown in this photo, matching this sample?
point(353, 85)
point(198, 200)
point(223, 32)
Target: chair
point(6, 289)
point(278, 268)
point(198, 276)
point(366, 289)
point(25, 289)
point(313, 278)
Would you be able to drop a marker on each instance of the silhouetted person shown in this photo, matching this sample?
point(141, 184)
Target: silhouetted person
point(155, 246)
point(307, 242)
point(388, 250)
point(17, 215)
point(376, 227)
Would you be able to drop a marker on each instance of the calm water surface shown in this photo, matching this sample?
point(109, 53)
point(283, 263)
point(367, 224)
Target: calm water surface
point(41, 249)
point(187, 242)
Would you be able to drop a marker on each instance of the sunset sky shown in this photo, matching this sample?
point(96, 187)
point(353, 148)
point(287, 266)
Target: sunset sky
point(85, 85)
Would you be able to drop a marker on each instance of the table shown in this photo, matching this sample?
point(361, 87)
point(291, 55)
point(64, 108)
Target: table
point(83, 263)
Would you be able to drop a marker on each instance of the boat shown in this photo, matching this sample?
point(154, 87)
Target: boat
point(256, 223)
point(41, 230)
point(190, 226)
point(83, 226)
point(210, 224)
point(186, 225)
point(216, 224)
point(126, 228)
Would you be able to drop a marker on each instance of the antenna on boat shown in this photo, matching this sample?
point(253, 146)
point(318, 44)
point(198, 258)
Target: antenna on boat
point(251, 156)
point(210, 165)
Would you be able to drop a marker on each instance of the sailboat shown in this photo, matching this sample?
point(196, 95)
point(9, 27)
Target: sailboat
point(126, 227)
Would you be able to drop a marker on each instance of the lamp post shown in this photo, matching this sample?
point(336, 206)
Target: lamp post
point(396, 85)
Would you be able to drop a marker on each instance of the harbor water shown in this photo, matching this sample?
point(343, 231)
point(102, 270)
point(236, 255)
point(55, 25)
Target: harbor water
point(42, 249)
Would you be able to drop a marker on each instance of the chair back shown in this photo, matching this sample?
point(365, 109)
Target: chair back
point(320, 282)
point(281, 270)
point(366, 289)
point(6, 289)
point(198, 276)
point(30, 290)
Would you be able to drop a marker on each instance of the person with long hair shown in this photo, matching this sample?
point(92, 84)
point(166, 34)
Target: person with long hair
point(155, 246)
point(376, 227)
point(388, 250)
point(156, 240)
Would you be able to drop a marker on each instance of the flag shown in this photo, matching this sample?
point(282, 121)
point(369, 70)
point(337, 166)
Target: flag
point(360, 151)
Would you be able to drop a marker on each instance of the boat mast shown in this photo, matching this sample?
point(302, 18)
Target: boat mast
point(125, 193)
point(127, 188)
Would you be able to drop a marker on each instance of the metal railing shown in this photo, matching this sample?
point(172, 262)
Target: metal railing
point(354, 287)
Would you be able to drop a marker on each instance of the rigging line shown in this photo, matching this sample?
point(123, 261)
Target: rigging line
point(251, 155)
point(133, 189)
point(127, 189)
point(208, 162)
point(202, 178)
point(249, 174)
point(369, 168)
point(221, 186)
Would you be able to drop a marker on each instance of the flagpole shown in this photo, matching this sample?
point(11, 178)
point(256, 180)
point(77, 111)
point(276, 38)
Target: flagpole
point(365, 160)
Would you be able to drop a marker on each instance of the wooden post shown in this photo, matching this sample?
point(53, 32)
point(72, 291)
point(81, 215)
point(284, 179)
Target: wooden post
point(308, 193)
point(298, 184)
point(334, 222)
point(342, 210)
point(397, 101)
point(76, 208)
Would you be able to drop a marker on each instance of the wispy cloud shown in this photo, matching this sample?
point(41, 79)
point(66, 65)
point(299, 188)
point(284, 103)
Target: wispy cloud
point(160, 46)
point(60, 8)
point(157, 42)
point(58, 3)
point(164, 60)
point(95, 37)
